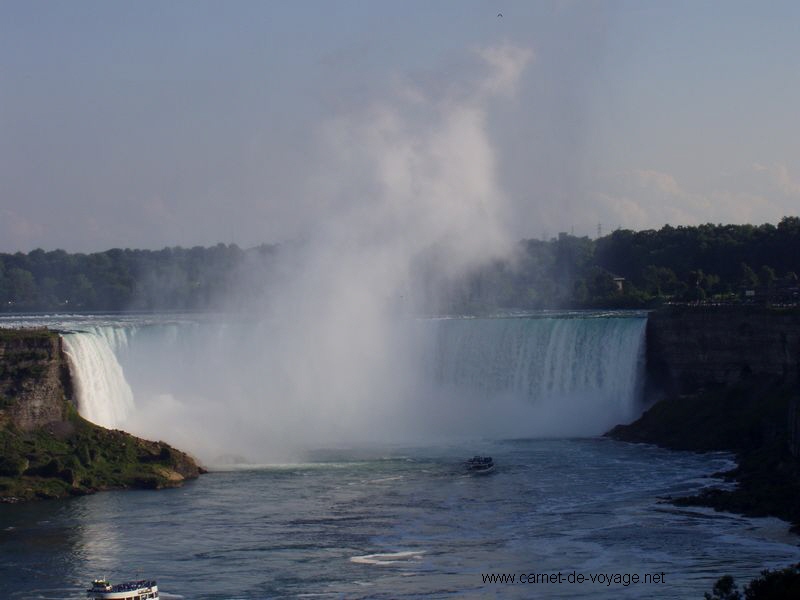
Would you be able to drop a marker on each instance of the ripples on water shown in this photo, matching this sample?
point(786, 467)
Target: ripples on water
point(402, 523)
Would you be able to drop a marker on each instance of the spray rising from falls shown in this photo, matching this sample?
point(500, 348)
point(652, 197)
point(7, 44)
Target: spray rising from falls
point(403, 201)
point(461, 378)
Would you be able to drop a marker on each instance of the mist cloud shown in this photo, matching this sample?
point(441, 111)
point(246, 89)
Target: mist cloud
point(506, 63)
point(333, 352)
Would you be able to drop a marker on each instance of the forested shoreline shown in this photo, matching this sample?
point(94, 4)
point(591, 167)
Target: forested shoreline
point(639, 269)
point(625, 269)
point(124, 279)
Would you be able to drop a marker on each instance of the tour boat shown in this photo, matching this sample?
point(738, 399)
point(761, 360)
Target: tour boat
point(480, 464)
point(130, 590)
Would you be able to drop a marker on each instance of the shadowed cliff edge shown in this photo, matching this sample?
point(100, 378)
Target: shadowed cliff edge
point(728, 378)
point(47, 450)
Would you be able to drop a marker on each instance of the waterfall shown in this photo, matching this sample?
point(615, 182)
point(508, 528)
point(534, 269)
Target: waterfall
point(537, 357)
point(572, 367)
point(104, 396)
point(117, 338)
point(215, 387)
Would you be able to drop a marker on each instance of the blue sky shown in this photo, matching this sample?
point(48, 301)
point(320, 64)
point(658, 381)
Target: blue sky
point(145, 124)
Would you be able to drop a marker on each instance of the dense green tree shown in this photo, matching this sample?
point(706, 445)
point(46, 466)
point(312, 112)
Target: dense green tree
point(779, 584)
point(672, 263)
point(724, 589)
point(81, 294)
point(748, 277)
point(766, 276)
point(21, 287)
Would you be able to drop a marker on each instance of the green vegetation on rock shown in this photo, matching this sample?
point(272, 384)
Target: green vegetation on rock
point(48, 451)
point(77, 457)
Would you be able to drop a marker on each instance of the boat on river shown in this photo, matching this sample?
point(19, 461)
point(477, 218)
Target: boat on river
point(130, 590)
point(480, 465)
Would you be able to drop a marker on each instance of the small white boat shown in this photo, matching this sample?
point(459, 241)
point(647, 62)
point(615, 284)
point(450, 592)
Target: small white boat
point(130, 590)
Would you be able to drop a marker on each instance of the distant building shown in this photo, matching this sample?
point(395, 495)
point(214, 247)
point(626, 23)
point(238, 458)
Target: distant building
point(620, 283)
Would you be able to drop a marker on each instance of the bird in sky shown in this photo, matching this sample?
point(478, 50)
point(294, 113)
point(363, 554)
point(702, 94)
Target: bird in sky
point(499, 14)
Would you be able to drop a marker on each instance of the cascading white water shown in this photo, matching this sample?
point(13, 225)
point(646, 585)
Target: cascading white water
point(540, 357)
point(117, 338)
point(217, 388)
point(583, 374)
point(104, 396)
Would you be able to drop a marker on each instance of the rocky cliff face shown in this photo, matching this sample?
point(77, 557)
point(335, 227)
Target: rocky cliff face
point(690, 348)
point(34, 379)
point(729, 381)
point(47, 450)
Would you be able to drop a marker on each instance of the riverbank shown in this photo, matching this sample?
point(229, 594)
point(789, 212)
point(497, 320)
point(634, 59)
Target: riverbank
point(47, 450)
point(757, 421)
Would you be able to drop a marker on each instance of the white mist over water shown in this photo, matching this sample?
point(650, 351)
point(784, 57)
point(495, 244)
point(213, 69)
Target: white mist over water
point(331, 354)
point(196, 387)
point(328, 350)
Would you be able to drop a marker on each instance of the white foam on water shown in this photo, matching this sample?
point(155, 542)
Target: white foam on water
point(388, 558)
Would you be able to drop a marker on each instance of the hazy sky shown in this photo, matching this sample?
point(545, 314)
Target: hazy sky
point(145, 124)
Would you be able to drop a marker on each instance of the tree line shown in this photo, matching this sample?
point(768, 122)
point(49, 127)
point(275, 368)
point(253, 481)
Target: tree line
point(114, 280)
point(638, 269)
point(719, 263)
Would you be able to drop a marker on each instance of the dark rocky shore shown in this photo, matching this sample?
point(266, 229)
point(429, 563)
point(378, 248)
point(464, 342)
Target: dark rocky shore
point(729, 381)
point(750, 420)
point(48, 451)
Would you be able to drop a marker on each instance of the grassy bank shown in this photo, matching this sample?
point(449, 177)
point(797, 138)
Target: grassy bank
point(76, 457)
